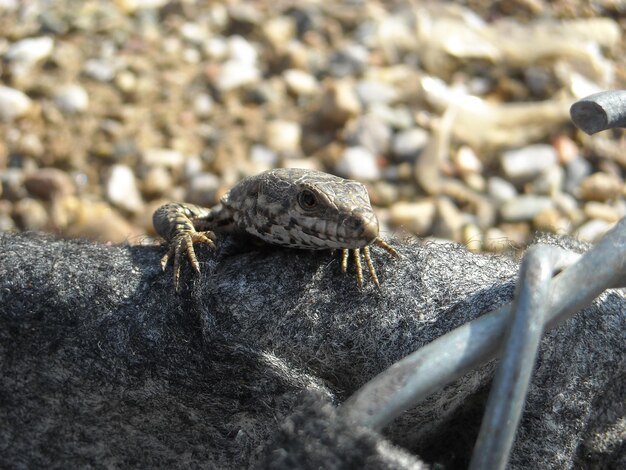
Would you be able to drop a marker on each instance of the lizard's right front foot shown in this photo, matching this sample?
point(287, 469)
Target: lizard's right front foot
point(183, 242)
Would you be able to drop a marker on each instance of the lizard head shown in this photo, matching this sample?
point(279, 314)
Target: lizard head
point(306, 209)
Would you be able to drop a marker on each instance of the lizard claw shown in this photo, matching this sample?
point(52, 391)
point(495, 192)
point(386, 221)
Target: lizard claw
point(183, 243)
point(356, 255)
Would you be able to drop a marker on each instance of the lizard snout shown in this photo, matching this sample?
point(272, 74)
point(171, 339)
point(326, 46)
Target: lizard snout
point(359, 227)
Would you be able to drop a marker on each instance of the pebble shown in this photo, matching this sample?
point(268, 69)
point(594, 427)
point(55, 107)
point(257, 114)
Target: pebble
point(496, 241)
point(475, 181)
point(99, 70)
point(156, 182)
point(566, 149)
point(203, 105)
point(6, 223)
point(49, 183)
point(96, 221)
point(30, 214)
point(593, 230)
point(13, 188)
point(528, 162)
point(193, 33)
point(339, 102)
point(283, 136)
point(370, 132)
point(241, 51)
point(28, 52)
point(236, 74)
point(263, 157)
point(449, 221)
point(408, 144)
point(524, 207)
point(371, 92)
point(516, 234)
point(133, 6)
point(279, 31)
point(473, 238)
point(121, 189)
point(30, 145)
point(203, 188)
point(13, 104)
point(398, 117)
point(358, 163)
point(216, 48)
point(601, 187)
point(551, 220)
point(300, 82)
point(126, 81)
point(350, 60)
point(466, 161)
point(500, 189)
point(601, 211)
point(549, 181)
point(576, 170)
point(167, 158)
point(72, 99)
point(416, 217)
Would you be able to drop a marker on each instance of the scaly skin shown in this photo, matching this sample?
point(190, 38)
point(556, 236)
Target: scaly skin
point(290, 207)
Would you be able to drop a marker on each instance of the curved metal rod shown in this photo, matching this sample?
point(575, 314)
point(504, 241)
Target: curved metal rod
point(510, 384)
point(427, 370)
point(600, 111)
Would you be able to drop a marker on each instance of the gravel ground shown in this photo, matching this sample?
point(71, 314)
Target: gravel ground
point(455, 117)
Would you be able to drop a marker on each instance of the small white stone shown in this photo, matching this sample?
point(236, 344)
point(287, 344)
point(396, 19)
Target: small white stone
point(72, 99)
point(300, 82)
point(524, 207)
point(500, 189)
point(593, 230)
point(193, 33)
point(30, 51)
point(416, 217)
point(13, 103)
point(203, 105)
point(528, 162)
point(240, 50)
point(408, 144)
point(236, 74)
point(466, 161)
point(370, 92)
point(358, 163)
point(216, 48)
point(131, 6)
point(121, 189)
point(167, 158)
point(284, 136)
point(263, 156)
point(100, 70)
point(203, 189)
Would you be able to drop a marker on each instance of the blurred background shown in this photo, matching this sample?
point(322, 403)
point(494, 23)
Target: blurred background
point(454, 114)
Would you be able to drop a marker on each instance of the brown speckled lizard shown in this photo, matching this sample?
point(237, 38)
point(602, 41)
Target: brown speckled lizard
point(291, 207)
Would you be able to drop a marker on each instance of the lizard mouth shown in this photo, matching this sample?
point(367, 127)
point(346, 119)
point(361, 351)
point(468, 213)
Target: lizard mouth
point(358, 231)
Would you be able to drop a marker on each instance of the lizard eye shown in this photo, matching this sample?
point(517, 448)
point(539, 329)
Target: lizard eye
point(307, 199)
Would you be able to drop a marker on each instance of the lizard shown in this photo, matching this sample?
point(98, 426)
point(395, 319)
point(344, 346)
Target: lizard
point(297, 208)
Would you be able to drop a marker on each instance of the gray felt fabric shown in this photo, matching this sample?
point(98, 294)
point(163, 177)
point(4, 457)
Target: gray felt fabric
point(104, 366)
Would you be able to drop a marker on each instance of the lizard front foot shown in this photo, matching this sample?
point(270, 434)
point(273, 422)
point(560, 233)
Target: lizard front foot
point(356, 255)
point(183, 243)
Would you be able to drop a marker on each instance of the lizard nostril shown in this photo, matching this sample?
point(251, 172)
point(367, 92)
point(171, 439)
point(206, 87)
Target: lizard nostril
point(362, 228)
point(370, 230)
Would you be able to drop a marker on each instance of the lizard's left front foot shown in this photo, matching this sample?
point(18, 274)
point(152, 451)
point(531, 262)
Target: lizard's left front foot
point(356, 254)
point(183, 243)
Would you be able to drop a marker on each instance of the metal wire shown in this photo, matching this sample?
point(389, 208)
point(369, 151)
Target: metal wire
point(601, 111)
point(541, 303)
point(449, 357)
point(510, 385)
